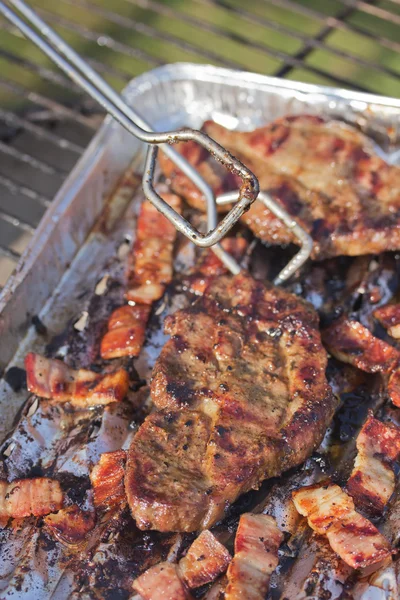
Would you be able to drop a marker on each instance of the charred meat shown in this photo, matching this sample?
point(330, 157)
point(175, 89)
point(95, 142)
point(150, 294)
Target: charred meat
point(324, 173)
point(241, 395)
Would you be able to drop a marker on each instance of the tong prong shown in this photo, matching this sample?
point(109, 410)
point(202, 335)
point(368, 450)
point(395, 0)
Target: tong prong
point(306, 241)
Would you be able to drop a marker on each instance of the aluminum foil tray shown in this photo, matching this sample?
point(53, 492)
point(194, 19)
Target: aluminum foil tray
point(83, 229)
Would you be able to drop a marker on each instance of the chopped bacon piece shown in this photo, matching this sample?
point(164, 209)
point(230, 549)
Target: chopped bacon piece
point(205, 560)
point(352, 343)
point(372, 481)
point(161, 582)
point(330, 511)
point(126, 331)
point(150, 266)
point(389, 317)
point(50, 378)
point(25, 497)
point(210, 266)
point(256, 557)
point(71, 525)
point(107, 479)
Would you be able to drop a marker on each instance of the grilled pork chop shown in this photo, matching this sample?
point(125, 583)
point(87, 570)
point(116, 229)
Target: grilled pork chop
point(324, 173)
point(241, 395)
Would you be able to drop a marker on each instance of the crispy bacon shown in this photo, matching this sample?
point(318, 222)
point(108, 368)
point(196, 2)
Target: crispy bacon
point(50, 378)
point(372, 481)
point(205, 560)
point(25, 497)
point(352, 343)
point(256, 557)
point(149, 272)
point(389, 317)
point(210, 266)
point(126, 331)
point(70, 525)
point(150, 265)
point(161, 582)
point(107, 479)
point(331, 512)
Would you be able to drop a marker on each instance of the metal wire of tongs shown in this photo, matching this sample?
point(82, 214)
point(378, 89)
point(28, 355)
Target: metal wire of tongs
point(81, 73)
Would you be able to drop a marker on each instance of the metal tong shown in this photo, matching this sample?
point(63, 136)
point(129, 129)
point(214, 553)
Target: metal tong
point(88, 79)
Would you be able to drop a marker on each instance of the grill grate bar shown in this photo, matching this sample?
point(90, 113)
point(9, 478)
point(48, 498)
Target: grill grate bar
point(56, 109)
point(30, 160)
point(375, 11)
point(18, 223)
point(52, 75)
point(150, 31)
point(286, 58)
point(16, 188)
point(333, 22)
point(99, 38)
point(20, 123)
point(9, 253)
point(310, 43)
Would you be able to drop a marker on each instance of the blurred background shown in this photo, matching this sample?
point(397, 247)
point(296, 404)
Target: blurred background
point(46, 122)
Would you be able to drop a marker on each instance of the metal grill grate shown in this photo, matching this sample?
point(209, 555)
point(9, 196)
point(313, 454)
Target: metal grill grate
point(46, 122)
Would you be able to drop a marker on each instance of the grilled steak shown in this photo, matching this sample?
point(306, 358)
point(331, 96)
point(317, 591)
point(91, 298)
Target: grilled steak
point(241, 395)
point(323, 173)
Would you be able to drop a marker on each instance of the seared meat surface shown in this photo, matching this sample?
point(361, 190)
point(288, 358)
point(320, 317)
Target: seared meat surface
point(324, 173)
point(241, 395)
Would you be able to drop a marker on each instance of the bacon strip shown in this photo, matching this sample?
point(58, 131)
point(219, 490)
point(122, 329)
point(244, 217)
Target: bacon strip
point(161, 582)
point(126, 331)
point(152, 255)
point(107, 479)
point(389, 317)
point(372, 480)
point(50, 378)
point(149, 272)
point(205, 560)
point(352, 343)
point(70, 525)
point(25, 497)
point(331, 512)
point(256, 557)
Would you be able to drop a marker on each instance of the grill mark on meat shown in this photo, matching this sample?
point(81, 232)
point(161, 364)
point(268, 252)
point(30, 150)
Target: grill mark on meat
point(232, 407)
point(323, 173)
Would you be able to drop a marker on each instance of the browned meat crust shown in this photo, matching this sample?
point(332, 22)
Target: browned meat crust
point(323, 173)
point(25, 497)
point(71, 525)
point(107, 479)
point(372, 480)
point(330, 511)
point(242, 395)
point(53, 379)
point(257, 543)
